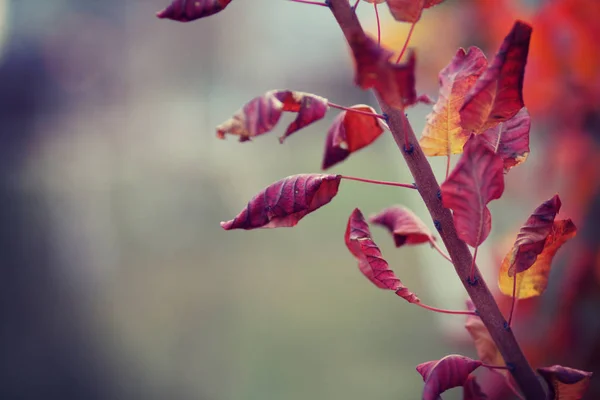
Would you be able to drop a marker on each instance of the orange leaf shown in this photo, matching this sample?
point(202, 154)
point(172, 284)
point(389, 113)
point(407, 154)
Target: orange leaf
point(498, 94)
point(350, 132)
point(394, 83)
point(566, 383)
point(533, 281)
point(443, 133)
point(261, 114)
point(510, 139)
point(409, 10)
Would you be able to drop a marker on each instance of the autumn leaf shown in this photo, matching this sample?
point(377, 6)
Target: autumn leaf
point(394, 83)
point(370, 261)
point(285, 202)
point(532, 236)
point(566, 383)
point(533, 281)
point(441, 375)
point(498, 93)
point(404, 225)
point(443, 133)
point(510, 139)
point(476, 180)
point(350, 132)
point(472, 390)
point(261, 114)
point(487, 351)
point(189, 10)
point(409, 10)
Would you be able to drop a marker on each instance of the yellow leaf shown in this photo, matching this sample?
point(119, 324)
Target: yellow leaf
point(533, 281)
point(443, 134)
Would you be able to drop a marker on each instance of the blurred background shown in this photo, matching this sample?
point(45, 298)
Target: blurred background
point(116, 281)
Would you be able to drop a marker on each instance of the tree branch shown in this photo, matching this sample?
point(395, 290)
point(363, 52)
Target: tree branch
point(459, 252)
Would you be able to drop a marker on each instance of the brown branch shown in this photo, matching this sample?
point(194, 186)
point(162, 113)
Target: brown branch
point(459, 252)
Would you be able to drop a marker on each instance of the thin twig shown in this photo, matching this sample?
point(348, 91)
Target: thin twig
point(410, 32)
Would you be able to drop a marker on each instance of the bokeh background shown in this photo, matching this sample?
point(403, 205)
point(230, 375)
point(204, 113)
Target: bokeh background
point(116, 281)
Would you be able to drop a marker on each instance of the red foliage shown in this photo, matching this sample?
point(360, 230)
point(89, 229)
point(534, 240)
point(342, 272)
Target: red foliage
point(404, 225)
point(475, 181)
point(441, 375)
point(286, 202)
point(190, 10)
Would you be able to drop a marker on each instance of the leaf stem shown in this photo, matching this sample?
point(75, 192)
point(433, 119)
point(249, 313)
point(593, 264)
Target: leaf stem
point(378, 24)
point(429, 188)
point(444, 311)
point(333, 105)
point(356, 5)
point(514, 300)
point(377, 182)
point(410, 32)
point(448, 165)
point(439, 250)
point(316, 3)
point(495, 366)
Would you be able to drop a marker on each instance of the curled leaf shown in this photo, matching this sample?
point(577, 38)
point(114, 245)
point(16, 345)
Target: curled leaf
point(370, 261)
point(441, 375)
point(476, 180)
point(404, 225)
point(443, 133)
point(261, 114)
point(510, 139)
point(498, 93)
point(472, 390)
point(566, 383)
point(394, 83)
point(351, 132)
point(532, 236)
point(285, 202)
point(410, 10)
point(189, 10)
point(533, 281)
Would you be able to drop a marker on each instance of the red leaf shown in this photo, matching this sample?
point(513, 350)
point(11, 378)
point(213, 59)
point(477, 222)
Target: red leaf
point(476, 180)
point(350, 132)
point(510, 139)
point(409, 10)
point(532, 236)
point(395, 83)
point(404, 225)
point(286, 202)
point(472, 390)
point(370, 261)
point(498, 94)
point(189, 10)
point(566, 383)
point(261, 114)
point(441, 375)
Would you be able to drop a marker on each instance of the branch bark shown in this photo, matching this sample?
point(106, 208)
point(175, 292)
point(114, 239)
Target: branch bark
point(428, 187)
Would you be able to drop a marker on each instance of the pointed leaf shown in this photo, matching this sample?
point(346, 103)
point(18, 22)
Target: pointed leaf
point(410, 10)
point(476, 180)
point(487, 351)
point(532, 236)
point(443, 133)
point(370, 261)
point(286, 202)
point(472, 390)
point(441, 375)
point(404, 225)
point(351, 132)
point(566, 383)
point(189, 10)
point(395, 83)
point(534, 280)
point(261, 114)
point(510, 139)
point(498, 94)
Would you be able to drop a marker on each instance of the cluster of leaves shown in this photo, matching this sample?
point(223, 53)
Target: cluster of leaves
point(480, 113)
